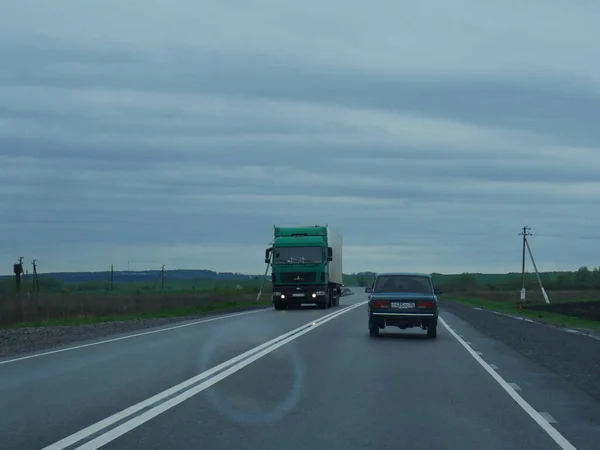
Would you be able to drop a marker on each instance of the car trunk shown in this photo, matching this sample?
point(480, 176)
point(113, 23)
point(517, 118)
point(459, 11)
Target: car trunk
point(403, 303)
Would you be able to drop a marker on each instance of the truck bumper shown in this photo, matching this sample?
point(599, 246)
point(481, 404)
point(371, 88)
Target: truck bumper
point(288, 295)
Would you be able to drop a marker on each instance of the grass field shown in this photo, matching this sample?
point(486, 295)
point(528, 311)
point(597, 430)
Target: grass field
point(97, 299)
point(60, 303)
point(508, 303)
point(62, 309)
point(533, 296)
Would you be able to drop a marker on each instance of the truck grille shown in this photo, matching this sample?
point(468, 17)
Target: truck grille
point(298, 277)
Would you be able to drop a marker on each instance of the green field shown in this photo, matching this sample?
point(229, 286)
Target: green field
point(581, 279)
point(510, 306)
point(60, 302)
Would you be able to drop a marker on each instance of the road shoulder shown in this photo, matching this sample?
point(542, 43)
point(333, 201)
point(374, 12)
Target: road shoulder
point(554, 371)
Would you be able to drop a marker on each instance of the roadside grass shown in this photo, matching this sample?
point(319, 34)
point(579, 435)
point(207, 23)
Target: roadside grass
point(38, 309)
point(75, 308)
point(509, 307)
point(167, 313)
point(534, 296)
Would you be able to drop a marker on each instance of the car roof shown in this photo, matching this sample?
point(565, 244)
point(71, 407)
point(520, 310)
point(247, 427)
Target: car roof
point(413, 274)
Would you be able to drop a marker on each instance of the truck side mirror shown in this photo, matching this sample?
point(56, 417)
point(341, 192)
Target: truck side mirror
point(267, 254)
point(368, 290)
point(329, 254)
point(437, 291)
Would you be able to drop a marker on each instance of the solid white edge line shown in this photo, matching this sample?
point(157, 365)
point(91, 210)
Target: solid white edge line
point(104, 423)
point(137, 421)
point(562, 442)
point(145, 333)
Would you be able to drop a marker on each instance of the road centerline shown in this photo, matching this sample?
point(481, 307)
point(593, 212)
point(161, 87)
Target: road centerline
point(158, 404)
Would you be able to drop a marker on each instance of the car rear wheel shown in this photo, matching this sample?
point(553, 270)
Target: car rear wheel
point(373, 329)
point(432, 330)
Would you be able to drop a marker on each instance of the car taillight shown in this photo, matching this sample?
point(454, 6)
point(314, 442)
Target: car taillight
point(380, 304)
point(426, 305)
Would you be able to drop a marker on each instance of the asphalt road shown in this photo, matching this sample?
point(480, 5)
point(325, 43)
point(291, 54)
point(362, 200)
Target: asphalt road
point(321, 383)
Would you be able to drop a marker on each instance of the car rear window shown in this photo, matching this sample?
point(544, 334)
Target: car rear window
point(403, 283)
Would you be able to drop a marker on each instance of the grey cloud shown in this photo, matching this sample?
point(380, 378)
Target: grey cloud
point(188, 156)
point(461, 36)
point(548, 103)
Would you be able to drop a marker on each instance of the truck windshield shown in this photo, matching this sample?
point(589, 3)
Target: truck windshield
point(403, 283)
point(298, 255)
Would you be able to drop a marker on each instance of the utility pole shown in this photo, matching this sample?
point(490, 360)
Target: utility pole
point(537, 273)
point(112, 276)
point(162, 279)
point(36, 281)
point(18, 270)
point(524, 233)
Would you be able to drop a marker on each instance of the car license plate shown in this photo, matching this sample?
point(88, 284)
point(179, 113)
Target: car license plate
point(298, 294)
point(402, 305)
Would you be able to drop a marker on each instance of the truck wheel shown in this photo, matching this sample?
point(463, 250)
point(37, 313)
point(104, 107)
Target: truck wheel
point(278, 306)
point(324, 305)
point(432, 330)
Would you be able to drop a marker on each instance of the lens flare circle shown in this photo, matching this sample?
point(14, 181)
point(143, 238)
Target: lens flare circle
point(286, 355)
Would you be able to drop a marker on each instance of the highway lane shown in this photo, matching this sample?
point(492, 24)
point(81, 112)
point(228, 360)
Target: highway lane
point(337, 388)
point(329, 386)
point(53, 395)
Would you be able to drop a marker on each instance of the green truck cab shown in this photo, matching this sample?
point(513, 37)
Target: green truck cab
point(306, 266)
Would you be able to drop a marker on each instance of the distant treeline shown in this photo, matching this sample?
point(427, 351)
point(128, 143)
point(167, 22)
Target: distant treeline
point(582, 279)
point(125, 285)
point(191, 281)
point(142, 275)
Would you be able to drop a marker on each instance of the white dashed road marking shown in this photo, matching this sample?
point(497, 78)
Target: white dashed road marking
point(544, 423)
point(548, 417)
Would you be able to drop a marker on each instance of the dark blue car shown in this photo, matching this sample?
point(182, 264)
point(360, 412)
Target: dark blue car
point(403, 300)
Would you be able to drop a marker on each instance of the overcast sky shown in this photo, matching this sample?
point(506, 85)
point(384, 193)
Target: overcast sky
point(179, 132)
